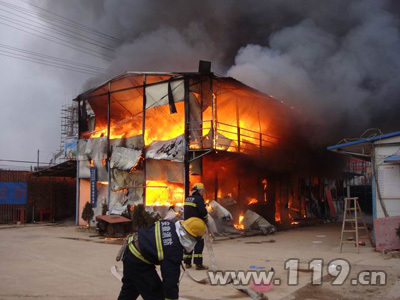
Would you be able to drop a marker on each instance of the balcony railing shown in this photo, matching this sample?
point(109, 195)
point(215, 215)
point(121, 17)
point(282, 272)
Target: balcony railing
point(208, 135)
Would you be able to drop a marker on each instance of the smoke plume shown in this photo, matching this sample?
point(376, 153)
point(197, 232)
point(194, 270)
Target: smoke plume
point(336, 62)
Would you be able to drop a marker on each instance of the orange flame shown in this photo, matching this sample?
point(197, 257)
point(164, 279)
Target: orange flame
point(252, 201)
point(240, 225)
point(163, 193)
point(277, 216)
point(158, 119)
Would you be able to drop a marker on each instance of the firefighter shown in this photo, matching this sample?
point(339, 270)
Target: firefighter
point(161, 244)
point(194, 207)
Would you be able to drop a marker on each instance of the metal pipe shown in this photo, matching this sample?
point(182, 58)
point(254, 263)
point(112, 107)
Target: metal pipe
point(213, 114)
point(201, 155)
point(77, 184)
point(108, 145)
point(375, 176)
point(186, 137)
point(238, 124)
point(143, 135)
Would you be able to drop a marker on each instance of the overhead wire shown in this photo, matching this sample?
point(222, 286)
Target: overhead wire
point(35, 59)
point(76, 24)
point(78, 36)
point(50, 64)
point(48, 60)
point(53, 58)
point(84, 49)
point(22, 161)
point(14, 167)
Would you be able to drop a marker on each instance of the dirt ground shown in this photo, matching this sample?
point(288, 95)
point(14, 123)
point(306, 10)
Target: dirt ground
point(59, 262)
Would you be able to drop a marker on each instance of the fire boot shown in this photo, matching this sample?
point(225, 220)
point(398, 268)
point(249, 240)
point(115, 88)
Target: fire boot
point(188, 266)
point(201, 267)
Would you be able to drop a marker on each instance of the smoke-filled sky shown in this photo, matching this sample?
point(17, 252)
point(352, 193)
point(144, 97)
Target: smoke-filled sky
point(336, 61)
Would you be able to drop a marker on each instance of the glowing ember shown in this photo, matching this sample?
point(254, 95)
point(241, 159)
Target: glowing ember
point(112, 239)
point(265, 187)
point(252, 201)
point(295, 223)
point(163, 193)
point(277, 216)
point(240, 225)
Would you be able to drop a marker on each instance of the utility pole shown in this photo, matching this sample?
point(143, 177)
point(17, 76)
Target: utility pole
point(37, 160)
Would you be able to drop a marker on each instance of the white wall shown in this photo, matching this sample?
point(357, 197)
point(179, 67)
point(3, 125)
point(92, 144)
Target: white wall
point(388, 177)
point(84, 196)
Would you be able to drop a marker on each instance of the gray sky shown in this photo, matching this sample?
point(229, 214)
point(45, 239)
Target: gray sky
point(337, 61)
point(32, 94)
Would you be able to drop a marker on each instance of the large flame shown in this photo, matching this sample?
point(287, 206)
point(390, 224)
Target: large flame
point(160, 125)
point(163, 193)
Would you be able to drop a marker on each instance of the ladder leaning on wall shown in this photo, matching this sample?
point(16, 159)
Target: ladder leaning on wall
point(352, 214)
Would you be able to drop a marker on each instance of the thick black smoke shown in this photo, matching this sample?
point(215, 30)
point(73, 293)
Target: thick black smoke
point(337, 61)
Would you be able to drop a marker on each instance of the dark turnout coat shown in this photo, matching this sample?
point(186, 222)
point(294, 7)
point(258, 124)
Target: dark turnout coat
point(194, 206)
point(156, 245)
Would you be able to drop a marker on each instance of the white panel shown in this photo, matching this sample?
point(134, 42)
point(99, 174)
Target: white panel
point(157, 95)
point(164, 170)
point(124, 158)
point(84, 170)
point(168, 150)
point(134, 142)
point(395, 139)
point(392, 207)
point(389, 180)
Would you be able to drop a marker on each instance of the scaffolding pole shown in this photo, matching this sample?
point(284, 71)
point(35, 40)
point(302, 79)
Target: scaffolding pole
point(186, 139)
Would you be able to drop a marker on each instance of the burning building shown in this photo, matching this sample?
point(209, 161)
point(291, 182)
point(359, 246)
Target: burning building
point(146, 138)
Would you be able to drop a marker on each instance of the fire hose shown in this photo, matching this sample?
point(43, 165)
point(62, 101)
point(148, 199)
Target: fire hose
point(213, 267)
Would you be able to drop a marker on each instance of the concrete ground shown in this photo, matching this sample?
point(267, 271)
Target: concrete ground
point(59, 262)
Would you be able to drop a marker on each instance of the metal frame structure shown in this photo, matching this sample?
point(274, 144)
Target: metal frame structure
point(190, 153)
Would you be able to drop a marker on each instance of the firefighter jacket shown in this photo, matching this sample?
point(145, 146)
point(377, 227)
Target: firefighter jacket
point(194, 207)
point(159, 245)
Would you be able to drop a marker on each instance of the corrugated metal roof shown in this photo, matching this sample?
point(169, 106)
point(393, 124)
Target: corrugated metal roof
point(64, 169)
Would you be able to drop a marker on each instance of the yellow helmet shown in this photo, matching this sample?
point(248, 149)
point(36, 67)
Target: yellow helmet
point(195, 226)
point(198, 186)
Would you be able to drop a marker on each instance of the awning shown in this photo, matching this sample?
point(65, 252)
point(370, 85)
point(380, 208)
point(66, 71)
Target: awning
point(393, 159)
point(361, 147)
point(65, 169)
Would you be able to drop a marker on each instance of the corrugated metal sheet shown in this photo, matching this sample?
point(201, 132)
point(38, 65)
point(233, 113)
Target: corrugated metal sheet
point(43, 193)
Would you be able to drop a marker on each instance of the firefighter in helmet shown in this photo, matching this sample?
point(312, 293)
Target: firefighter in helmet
point(194, 206)
point(161, 244)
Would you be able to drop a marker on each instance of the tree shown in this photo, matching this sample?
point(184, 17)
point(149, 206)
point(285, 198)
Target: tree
point(88, 213)
point(142, 218)
point(104, 208)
